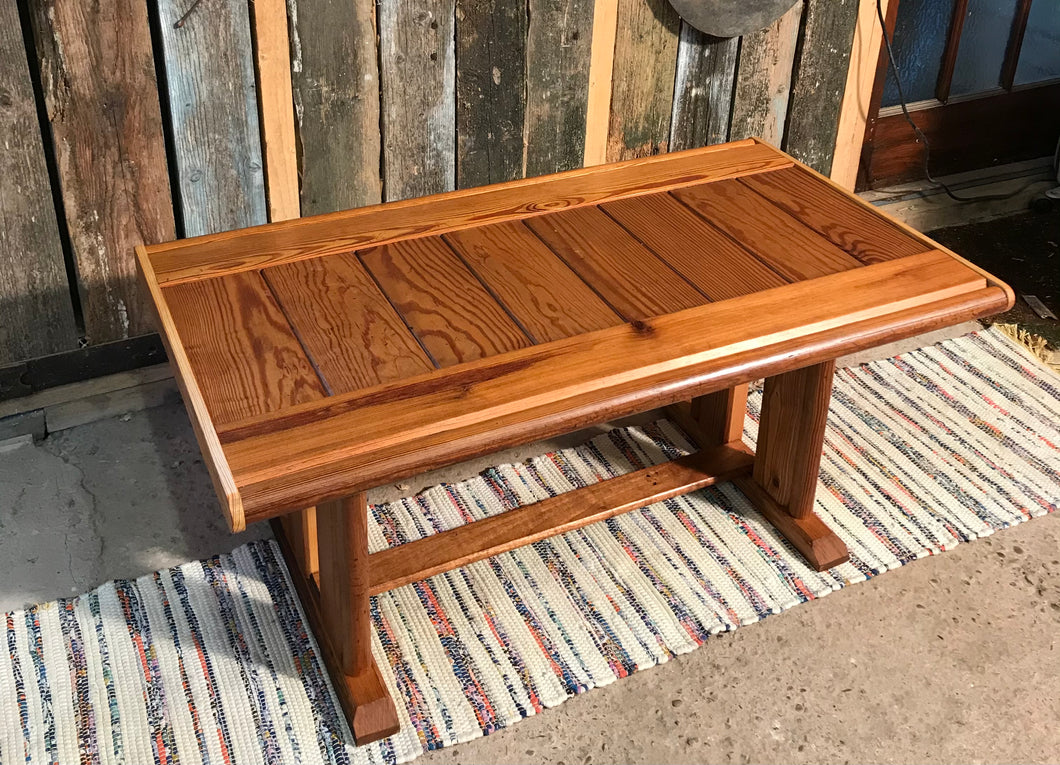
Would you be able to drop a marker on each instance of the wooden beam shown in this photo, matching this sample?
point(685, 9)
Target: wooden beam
point(949, 55)
point(36, 312)
point(275, 102)
point(491, 536)
point(763, 79)
point(706, 76)
point(857, 95)
point(1015, 45)
point(601, 71)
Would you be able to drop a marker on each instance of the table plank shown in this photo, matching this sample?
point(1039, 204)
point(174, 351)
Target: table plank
point(786, 244)
point(844, 222)
point(440, 299)
point(346, 323)
point(540, 290)
point(245, 357)
point(705, 256)
point(629, 276)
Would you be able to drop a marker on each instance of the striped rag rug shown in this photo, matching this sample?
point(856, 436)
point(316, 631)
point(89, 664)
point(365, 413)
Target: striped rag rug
point(212, 661)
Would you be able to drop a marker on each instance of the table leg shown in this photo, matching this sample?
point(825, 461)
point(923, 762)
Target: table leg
point(300, 528)
point(719, 416)
point(787, 459)
point(337, 605)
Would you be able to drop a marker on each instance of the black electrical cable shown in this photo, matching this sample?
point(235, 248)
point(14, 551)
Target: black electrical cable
point(920, 133)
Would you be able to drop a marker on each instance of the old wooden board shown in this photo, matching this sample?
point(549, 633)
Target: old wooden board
point(642, 81)
point(818, 80)
point(335, 74)
point(98, 77)
point(490, 90)
point(417, 61)
point(763, 79)
point(35, 302)
point(558, 43)
point(214, 112)
point(706, 76)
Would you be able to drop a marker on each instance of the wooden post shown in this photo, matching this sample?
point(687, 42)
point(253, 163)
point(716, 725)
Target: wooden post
point(720, 415)
point(784, 479)
point(300, 528)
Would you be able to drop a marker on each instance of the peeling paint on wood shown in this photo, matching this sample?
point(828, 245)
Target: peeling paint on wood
point(335, 75)
point(419, 97)
point(763, 80)
point(36, 312)
point(98, 78)
point(643, 79)
point(706, 76)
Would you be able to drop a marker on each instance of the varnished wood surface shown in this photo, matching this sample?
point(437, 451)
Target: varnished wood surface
point(539, 289)
point(354, 336)
point(557, 515)
point(776, 237)
point(444, 304)
point(513, 398)
point(246, 358)
point(227, 252)
point(633, 281)
point(710, 259)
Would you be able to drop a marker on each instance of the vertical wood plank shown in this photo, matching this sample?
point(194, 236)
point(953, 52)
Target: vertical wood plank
point(273, 63)
point(335, 75)
point(36, 313)
point(706, 76)
point(857, 95)
point(342, 533)
point(763, 79)
point(643, 79)
point(557, 65)
point(720, 415)
point(601, 70)
point(818, 81)
point(490, 90)
point(214, 115)
point(419, 94)
point(98, 78)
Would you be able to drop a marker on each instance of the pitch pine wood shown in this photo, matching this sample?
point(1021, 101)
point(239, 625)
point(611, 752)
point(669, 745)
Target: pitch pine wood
point(708, 258)
point(300, 528)
point(245, 356)
point(601, 73)
point(786, 244)
point(866, 235)
point(354, 336)
point(286, 241)
point(452, 314)
point(540, 290)
point(342, 544)
point(719, 416)
point(627, 275)
point(557, 515)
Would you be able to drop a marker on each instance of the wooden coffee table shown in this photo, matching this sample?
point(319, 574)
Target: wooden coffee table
point(325, 356)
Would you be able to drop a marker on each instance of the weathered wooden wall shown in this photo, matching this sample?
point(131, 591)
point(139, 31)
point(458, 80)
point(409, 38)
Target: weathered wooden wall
point(148, 125)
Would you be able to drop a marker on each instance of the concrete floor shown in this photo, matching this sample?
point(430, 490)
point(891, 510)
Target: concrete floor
point(949, 659)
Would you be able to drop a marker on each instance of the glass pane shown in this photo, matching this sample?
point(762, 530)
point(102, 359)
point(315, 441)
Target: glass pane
point(919, 40)
point(1040, 54)
point(983, 42)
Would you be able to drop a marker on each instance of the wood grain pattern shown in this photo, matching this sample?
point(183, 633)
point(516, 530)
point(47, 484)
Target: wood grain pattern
point(437, 418)
point(539, 289)
point(214, 117)
point(442, 301)
point(417, 61)
point(98, 79)
point(352, 229)
point(272, 61)
point(38, 316)
point(791, 248)
point(335, 73)
point(490, 90)
point(625, 273)
point(703, 90)
point(557, 64)
point(858, 231)
point(643, 79)
point(300, 528)
point(354, 336)
point(720, 416)
point(708, 258)
point(763, 79)
point(601, 71)
point(245, 357)
point(342, 542)
point(413, 561)
point(818, 80)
